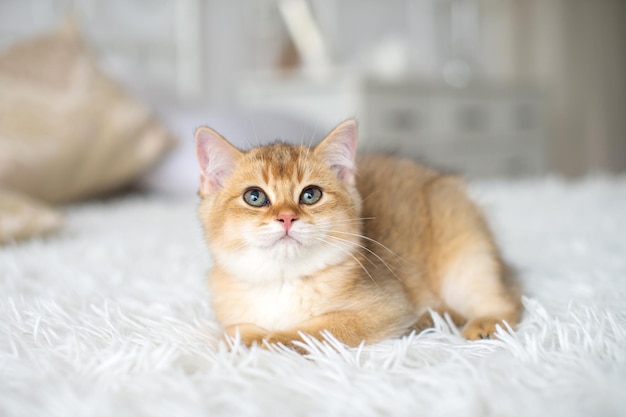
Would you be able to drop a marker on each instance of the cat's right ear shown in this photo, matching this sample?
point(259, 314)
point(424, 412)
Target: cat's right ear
point(216, 158)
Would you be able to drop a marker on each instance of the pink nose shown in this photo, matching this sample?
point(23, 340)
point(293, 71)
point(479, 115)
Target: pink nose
point(287, 220)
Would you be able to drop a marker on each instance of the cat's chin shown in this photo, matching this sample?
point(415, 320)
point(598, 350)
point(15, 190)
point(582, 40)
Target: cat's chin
point(285, 259)
point(298, 242)
point(286, 247)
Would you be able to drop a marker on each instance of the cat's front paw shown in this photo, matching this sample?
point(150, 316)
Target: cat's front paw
point(286, 339)
point(482, 328)
point(249, 334)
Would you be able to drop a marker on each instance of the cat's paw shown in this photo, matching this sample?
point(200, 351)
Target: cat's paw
point(249, 334)
point(481, 328)
point(425, 321)
point(286, 339)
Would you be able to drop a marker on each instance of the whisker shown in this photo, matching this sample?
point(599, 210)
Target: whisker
point(249, 144)
point(386, 264)
point(303, 159)
point(302, 135)
point(310, 144)
point(256, 137)
point(373, 193)
point(368, 239)
point(358, 219)
point(303, 154)
point(349, 244)
point(354, 205)
point(352, 255)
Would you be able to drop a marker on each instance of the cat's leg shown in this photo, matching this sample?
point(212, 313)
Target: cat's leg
point(469, 274)
point(349, 327)
point(473, 285)
point(248, 333)
point(425, 320)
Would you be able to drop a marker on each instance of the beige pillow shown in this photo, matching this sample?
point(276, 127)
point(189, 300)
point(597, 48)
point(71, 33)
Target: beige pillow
point(22, 217)
point(67, 131)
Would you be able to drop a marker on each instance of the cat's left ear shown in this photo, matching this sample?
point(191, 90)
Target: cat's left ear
point(338, 150)
point(216, 158)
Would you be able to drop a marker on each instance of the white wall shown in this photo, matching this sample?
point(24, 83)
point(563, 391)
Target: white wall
point(195, 52)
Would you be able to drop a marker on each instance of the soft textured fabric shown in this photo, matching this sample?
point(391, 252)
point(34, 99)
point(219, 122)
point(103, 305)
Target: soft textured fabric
point(22, 217)
point(67, 131)
point(111, 317)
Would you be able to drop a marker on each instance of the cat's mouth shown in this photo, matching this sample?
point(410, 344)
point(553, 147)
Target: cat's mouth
point(286, 246)
point(282, 241)
point(287, 238)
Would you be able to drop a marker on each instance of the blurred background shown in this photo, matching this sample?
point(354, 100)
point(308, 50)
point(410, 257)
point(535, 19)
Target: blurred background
point(492, 88)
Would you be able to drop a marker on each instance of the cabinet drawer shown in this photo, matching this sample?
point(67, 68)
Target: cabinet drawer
point(397, 117)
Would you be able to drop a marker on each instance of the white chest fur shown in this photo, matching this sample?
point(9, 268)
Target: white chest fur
point(274, 292)
point(279, 304)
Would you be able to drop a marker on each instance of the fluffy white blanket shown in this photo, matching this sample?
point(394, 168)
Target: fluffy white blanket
point(111, 318)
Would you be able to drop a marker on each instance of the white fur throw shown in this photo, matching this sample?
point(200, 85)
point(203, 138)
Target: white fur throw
point(111, 318)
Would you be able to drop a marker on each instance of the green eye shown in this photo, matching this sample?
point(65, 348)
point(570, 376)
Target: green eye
point(310, 195)
point(255, 197)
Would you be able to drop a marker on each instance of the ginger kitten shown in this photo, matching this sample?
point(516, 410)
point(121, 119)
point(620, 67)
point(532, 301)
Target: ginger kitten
point(311, 239)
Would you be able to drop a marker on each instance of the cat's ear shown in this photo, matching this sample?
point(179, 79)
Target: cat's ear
point(216, 158)
point(338, 150)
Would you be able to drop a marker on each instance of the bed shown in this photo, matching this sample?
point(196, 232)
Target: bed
point(111, 316)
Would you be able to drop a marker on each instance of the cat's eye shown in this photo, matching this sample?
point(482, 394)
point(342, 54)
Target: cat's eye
point(255, 197)
point(310, 195)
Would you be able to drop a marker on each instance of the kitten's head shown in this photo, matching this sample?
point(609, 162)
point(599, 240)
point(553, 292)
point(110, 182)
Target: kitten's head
point(279, 209)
